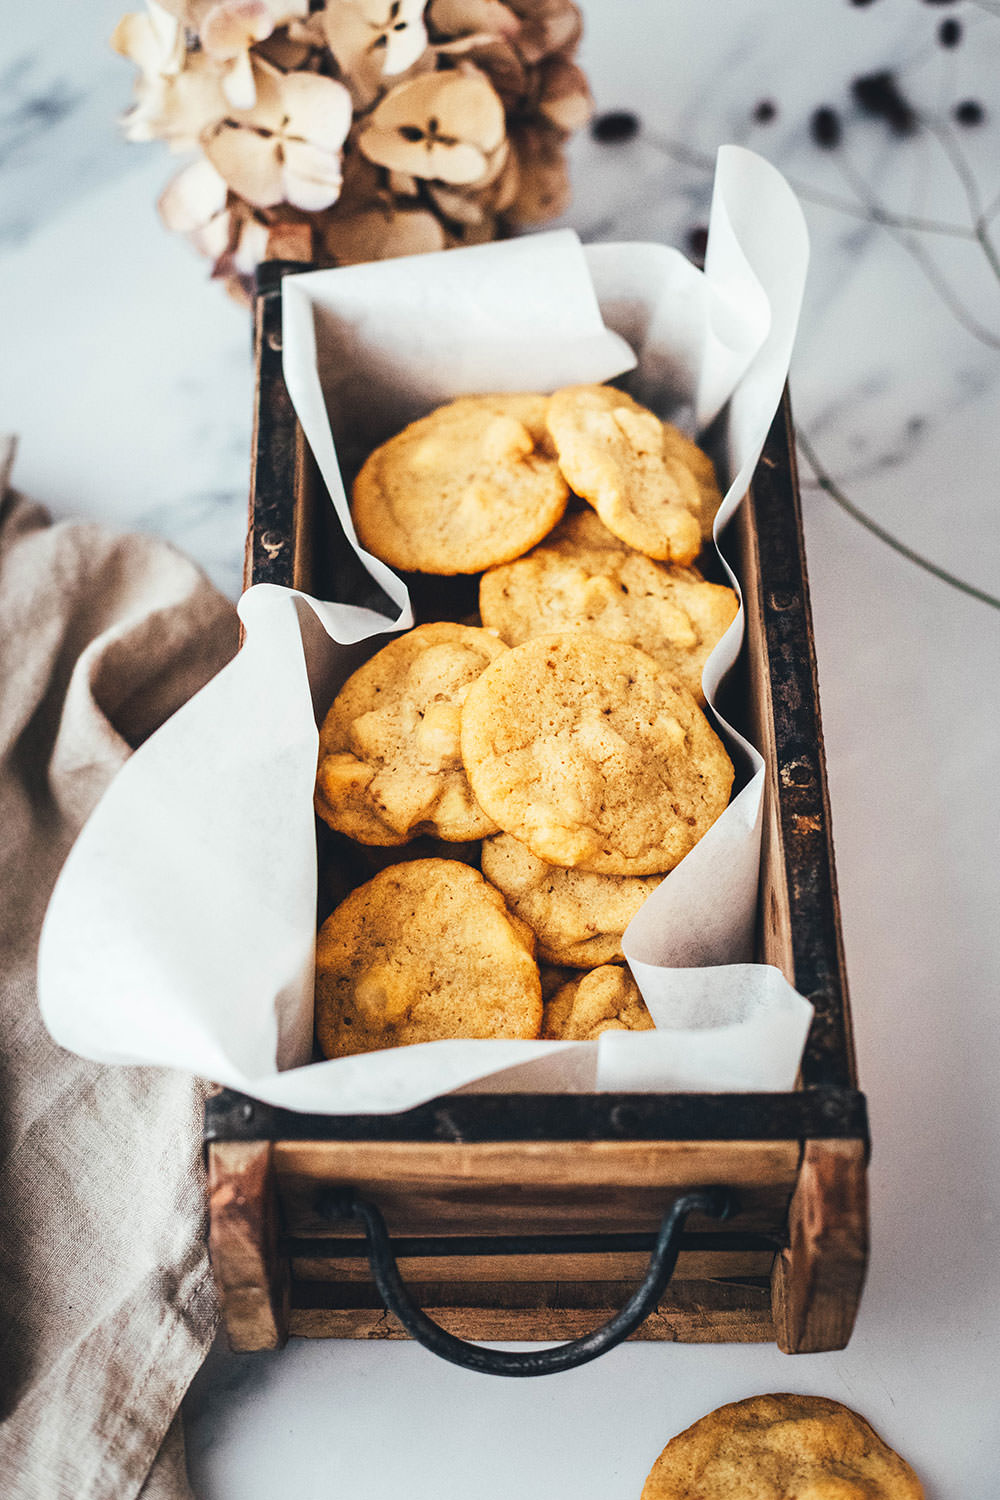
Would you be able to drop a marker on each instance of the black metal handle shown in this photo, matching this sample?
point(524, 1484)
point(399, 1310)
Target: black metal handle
point(714, 1202)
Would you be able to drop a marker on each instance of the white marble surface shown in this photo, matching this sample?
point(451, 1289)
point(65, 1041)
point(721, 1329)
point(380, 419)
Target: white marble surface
point(128, 378)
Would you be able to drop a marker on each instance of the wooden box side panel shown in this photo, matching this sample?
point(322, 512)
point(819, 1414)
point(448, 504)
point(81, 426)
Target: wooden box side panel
point(251, 1275)
point(819, 1276)
point(534, 1187)
point(782, 661)
point(691, 1311)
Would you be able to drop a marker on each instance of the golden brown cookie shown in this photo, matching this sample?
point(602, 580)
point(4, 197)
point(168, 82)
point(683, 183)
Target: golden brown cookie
point(627, 464)
point(606, 999)
point(685, 451)
point(779, 1447)
point(390, 762)
point(424, 951)
point(592, 755)
point(472, 484)
point(577, 917)
point(583, 577)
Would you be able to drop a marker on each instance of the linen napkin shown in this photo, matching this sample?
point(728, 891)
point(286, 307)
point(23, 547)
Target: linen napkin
point(106, 1300)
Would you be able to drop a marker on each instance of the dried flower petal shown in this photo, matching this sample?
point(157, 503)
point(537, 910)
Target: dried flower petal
point(499, 60)
point(287, 148)
point(456, 18)
point(177, 108)
point(377, 236)
point(459, 207)
point(372, 39)
point(193, 198)
point(228, 32)
point(196, 204)
point(288, 49)
point(543, 190)
point(176, 94)
point(440, 125)
point(476, 234)
point(250, 248)
point(364, 184)
point(402, 185)
point(564, 99)
point(547, 27)
point(154, 40)
point(233, 26)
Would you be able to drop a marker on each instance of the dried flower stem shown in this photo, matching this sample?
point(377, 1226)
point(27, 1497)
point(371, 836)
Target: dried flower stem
point(907, 240)
point(869, 210)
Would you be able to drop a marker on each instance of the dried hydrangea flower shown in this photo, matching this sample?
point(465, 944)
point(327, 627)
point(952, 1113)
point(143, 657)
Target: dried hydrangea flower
point(461, 109)
point(287, 148)
point(444, 126)
point(177, 94)
point(229, 30)
point(373, 40)
point(196, 203)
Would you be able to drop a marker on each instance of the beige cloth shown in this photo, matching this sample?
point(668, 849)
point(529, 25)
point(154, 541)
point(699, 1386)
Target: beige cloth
point(106, 1300)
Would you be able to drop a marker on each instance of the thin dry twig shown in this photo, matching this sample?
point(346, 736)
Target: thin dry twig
point(917, 252)
point(831, 488)
point(869, 210)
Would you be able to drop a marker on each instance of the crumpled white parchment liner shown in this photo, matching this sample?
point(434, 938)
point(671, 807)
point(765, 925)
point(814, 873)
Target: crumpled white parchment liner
point(181, 931)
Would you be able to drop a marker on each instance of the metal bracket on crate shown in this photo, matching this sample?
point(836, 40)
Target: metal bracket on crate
point(230, 1116)
point(344, 1204)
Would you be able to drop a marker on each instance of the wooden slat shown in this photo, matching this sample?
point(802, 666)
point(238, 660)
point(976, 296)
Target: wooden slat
point(542, 1163)
point(697, 1312)
point(537, 1187)
point(692, 1265)
point(252, 1279)
point(818, 1279)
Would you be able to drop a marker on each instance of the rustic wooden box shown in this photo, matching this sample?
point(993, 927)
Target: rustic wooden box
point(531, 1217)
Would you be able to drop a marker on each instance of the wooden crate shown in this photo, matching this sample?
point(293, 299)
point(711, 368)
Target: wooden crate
point(531, 1216)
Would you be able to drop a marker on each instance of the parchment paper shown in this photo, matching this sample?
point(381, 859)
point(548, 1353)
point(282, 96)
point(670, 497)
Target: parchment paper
point(181, 931)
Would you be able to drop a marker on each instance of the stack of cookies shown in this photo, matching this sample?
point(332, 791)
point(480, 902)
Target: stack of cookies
point(558, 741)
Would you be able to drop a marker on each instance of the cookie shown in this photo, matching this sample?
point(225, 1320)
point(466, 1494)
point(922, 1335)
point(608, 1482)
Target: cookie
point(702, 470)
point(589, 753)
point(473, 484)
point(606, 999)
point(776, 1447)
point(390, 763)
point(583, 577)
point(626, 464)
point(577, 917)
point(423, 952)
